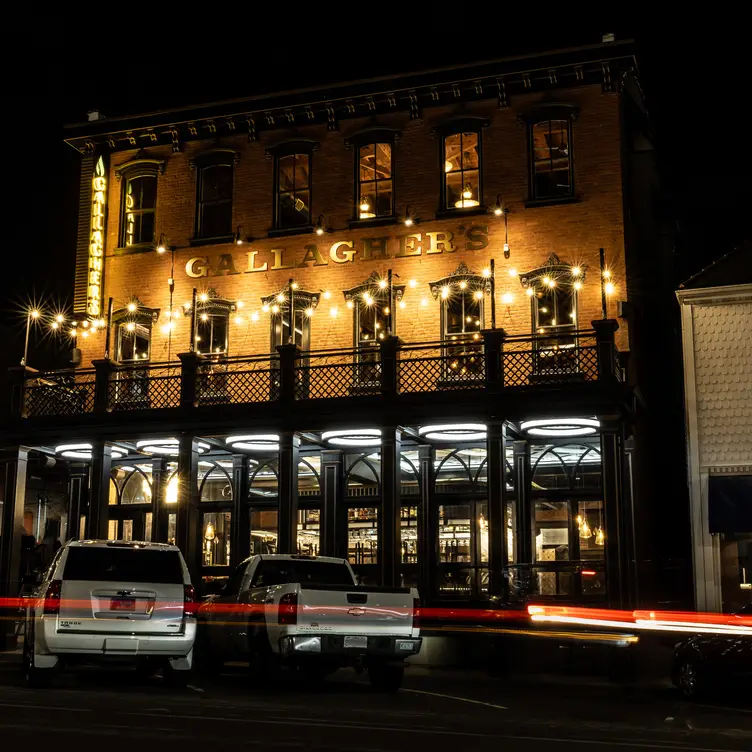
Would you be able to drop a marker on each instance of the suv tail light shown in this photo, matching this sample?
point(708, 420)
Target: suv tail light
point(52, 597)
point(288, 609)
point(416, 613)
point(190, 606)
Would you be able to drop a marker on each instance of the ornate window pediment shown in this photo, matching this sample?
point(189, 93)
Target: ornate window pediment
point(374, 285)
point(461, 274)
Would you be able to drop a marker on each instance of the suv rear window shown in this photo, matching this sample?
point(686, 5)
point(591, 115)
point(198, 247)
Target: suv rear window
point(123, 565)
point(282, 572)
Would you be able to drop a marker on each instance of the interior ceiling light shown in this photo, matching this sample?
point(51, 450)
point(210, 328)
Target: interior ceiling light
point(257, 442)
point(83, 451)
point(169, 447)
point(353, 437)
point(454, 432)
point(560, 427)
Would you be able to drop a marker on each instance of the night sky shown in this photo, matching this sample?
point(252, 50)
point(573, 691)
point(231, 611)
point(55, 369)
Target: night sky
point(693, 88)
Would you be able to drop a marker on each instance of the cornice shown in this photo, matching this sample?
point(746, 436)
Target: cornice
point(715, 295)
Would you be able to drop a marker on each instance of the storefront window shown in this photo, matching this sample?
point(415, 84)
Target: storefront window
point(216, 539)
point(172, 528)
point(127, 528)
point(409, 535)
point(148, 523)
point(363, 474)
point(575, 466)
point(409, 474)
point(309, 523)
point(137, 489)
point(264, 531)
point(133, 341)
point(736, 570)
point(454, 533)
point(264, 479)
point(112, 530)
point(362, 535)
point(215, 482)
point(461, 470)
point(552, 526)
point(309, 469)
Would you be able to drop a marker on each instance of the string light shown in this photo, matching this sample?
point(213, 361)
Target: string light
point(240, 304)
point(507, 298)
point(254, 316)
point(294, 285)
point(132, 307)
point(280, 298)
point(238, 320)
point(54, 325)
point(413, 283)
point(73, 332)
point(610, 288)
point(265, 308)
point(576, 271)
point(275, 309)
point(309, 312)
point(204, 317)
point(327, 295)
point(463, 284)
point(424, 301)
point(530, 292)
point(578, 285)
point(386, 310)
point(383, 283)
point(59, 318)
point(130, 326)
point(486, 272)
point(203, 297)
point(350, 304)
point(606, 274)
point(478, 294)
point(402, 304)
point(367, 299)
point(551, 283)
point(512, 272)
point(445, 292)
point(333, 312)
point(86, 334)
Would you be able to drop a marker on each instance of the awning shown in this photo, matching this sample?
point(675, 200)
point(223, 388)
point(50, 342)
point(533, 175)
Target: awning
point(730, 503)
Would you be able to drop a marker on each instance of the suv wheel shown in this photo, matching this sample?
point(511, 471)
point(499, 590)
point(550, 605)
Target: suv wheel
point(688, 680)
point(33, 676)
point(385, 677)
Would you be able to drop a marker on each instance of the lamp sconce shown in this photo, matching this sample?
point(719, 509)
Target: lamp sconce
point(321, 227)
point(162, 245)
point(501, 210)
point(409, 219)
point(240, 238)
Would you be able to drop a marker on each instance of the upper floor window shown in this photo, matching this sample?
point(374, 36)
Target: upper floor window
point(555, 306)
point(549, 128)
point(304, 303)
point(212, 333)
point(133, 341)
point(375, 188)
point(462, 170)
point(215, 175)
point(140, 209)
point(293, 191)
point(551, 158)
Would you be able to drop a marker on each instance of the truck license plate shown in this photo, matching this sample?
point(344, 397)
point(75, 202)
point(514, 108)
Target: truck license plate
point(358, 641)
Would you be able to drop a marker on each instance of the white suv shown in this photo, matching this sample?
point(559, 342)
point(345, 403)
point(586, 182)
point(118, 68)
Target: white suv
point(112, 601)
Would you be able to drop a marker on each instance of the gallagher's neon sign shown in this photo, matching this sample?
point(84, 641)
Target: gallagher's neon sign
point(96, 241)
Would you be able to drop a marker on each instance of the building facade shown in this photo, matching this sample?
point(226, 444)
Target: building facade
point(387, 320)
point(716, 307)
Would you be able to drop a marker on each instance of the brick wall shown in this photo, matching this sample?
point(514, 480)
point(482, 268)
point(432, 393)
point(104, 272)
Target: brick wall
point(574, 232)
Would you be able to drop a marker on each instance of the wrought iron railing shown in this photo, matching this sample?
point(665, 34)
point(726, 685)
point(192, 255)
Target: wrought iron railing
point(550, 359)
point(338, 373)
point(143, 386)
point(68, 392)
point(494, 362)
point(441, 366)
point(235, 381)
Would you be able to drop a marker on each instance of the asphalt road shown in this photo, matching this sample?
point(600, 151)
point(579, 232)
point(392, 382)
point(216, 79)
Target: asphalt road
point(114, 710)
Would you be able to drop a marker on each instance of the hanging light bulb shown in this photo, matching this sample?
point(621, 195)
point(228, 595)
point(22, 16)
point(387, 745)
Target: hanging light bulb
point(327, 295)
point(577, 285)
point(530, 292)
point(498, 209)
point(365, 209)
point(478, 294)
point(445, 292)
point(609, 288)
point(600, 537)
point(131, 307)
point(203, 297)
point(350, 304)
point(209, 534)
point(59, 318)
point(585, 532)
point(383, 283)
point(467, 199)
point(402, 304)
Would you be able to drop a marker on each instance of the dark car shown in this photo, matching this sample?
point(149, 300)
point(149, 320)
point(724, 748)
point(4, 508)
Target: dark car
point(713, 661)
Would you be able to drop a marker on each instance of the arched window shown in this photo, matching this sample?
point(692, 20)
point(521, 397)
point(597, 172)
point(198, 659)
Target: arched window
point(138, 203)
point(575, 466)
point(309, 480)
point(136, 488)
point(461, 470)
point(278, 304)
point(264, 480)
point(215, 481)
point(409, 474)
point(363, 475)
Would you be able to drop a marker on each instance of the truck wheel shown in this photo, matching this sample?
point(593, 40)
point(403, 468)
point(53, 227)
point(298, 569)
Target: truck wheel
point(33, 676)
point(386, 677)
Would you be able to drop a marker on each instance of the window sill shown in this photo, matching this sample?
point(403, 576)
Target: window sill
point(532, 203)
point(131, 249)
point(282, 232)
point(221, 240)
point(356, 224)
point(474, 211)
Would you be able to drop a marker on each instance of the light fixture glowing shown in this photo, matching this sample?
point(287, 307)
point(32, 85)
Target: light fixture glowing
point(478, 294)
point(402, 304)
point(203, 297)
point(294, 285)
point(54, 325)
point(383, 283)
point(606, 274)
point(365, 209)
point(167, 447)
point(367, 299)
point(83, 451)
point(353, 437)
point(265, 308)
point(132, 307)
point(309, 312)
point(454, 432)
point(350, 304)
point(507, 298)
point(578, 285)
point(467, 199)
point(463, 284)
point(204, 317)
point(333, 312)
point(59, 318)
point(413, 283)
point(445, 291)
point(280, 298)
point(408, 221)
point(275, 308)
point(130, 326)
point(424, 301)
point(254, 316)
point(238, 320)
point(259, 442)
point(609, 288)
point(600, 537)
point(327, 295)
point(447, 166)
point(386, 311)
point(576, 271)
point(240, 304)
point(551, 283)
point(560, 427)
point(171, 496)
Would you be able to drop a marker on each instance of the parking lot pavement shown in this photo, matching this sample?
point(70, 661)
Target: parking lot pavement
point(451, 709)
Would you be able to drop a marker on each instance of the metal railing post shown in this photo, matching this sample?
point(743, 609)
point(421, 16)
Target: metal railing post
point(389, 354)
point(17, 376)
point(104, 369)
point(493, 352)
point(189, 363)
point(288, 362)
point(605, 342)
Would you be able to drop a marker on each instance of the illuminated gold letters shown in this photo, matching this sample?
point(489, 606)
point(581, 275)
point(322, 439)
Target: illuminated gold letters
point(476, 237)
point(312, 254)
point(334, 252)
point(96, 240)
point(252, 263)
point(279, 259)
point(438, 242)
point(409, 245)
point(197, 267)
point(226, 265)
point(375, 248)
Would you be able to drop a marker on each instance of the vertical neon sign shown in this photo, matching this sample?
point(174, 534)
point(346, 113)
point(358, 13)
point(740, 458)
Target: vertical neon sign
point(96, 241)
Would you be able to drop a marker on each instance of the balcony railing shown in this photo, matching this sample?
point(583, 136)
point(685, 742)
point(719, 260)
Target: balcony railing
point(493, 363)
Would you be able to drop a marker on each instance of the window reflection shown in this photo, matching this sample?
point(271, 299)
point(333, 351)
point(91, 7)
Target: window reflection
point(374, 181)
point(140, 209)
point(552, 174)
point(461, 170)
point(216, 539)
point(409, 535)
point(264, 531)
point(309, 524)
point(293, 191)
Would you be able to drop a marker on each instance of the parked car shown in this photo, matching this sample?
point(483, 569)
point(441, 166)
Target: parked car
point(112, 601)
point(713, 661)
point(308, 614)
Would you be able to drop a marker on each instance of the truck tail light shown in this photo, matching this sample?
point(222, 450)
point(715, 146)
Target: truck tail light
point(190, 606)
point(416, 613)
point(288, 609)
point(52, 598)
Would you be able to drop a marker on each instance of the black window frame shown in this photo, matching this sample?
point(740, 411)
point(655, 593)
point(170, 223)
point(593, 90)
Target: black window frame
point(452, 128)
point(278, 152)
point(367, 137)
point(207, 160)
point(125, 173)
point(549, 113)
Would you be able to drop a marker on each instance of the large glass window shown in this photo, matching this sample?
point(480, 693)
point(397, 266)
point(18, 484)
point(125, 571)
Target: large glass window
point(216, 539)
point(293, 191)
point(280, 323)
point(133, 341)
point(463, 549)
point(375, 196)
point(140, 208)
point(212, 330)
point(555, 306)
point(462, 170)
point(264, 531)
point(363, 535)
point(409, 534)
point(214, 215)
point(551, 159)
point(309, 524)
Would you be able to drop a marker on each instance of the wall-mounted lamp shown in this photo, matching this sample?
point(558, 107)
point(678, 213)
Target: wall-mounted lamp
point(239, 235)
point(409, 220)
point(320, 229)
point(162, 245)
point(498, 209)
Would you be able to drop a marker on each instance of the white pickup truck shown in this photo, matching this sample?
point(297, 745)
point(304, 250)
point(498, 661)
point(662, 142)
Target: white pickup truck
point(308, 614)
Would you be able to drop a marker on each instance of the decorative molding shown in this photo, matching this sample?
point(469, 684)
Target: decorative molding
point(292, 146)
point(371, 285)
point(214, 155)
point(461, 124)
point(715, 295)
point(303, 298)
point(728, 469)
point(549, 111)
point(553, 267)
point(155, 165)
point(462, 272)
point(373, 134)
point(142, 315)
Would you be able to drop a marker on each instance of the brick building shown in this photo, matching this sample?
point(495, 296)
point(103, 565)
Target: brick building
point(456, 408)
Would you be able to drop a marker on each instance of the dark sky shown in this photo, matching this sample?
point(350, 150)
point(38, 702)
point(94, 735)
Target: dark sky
point(692, 81)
